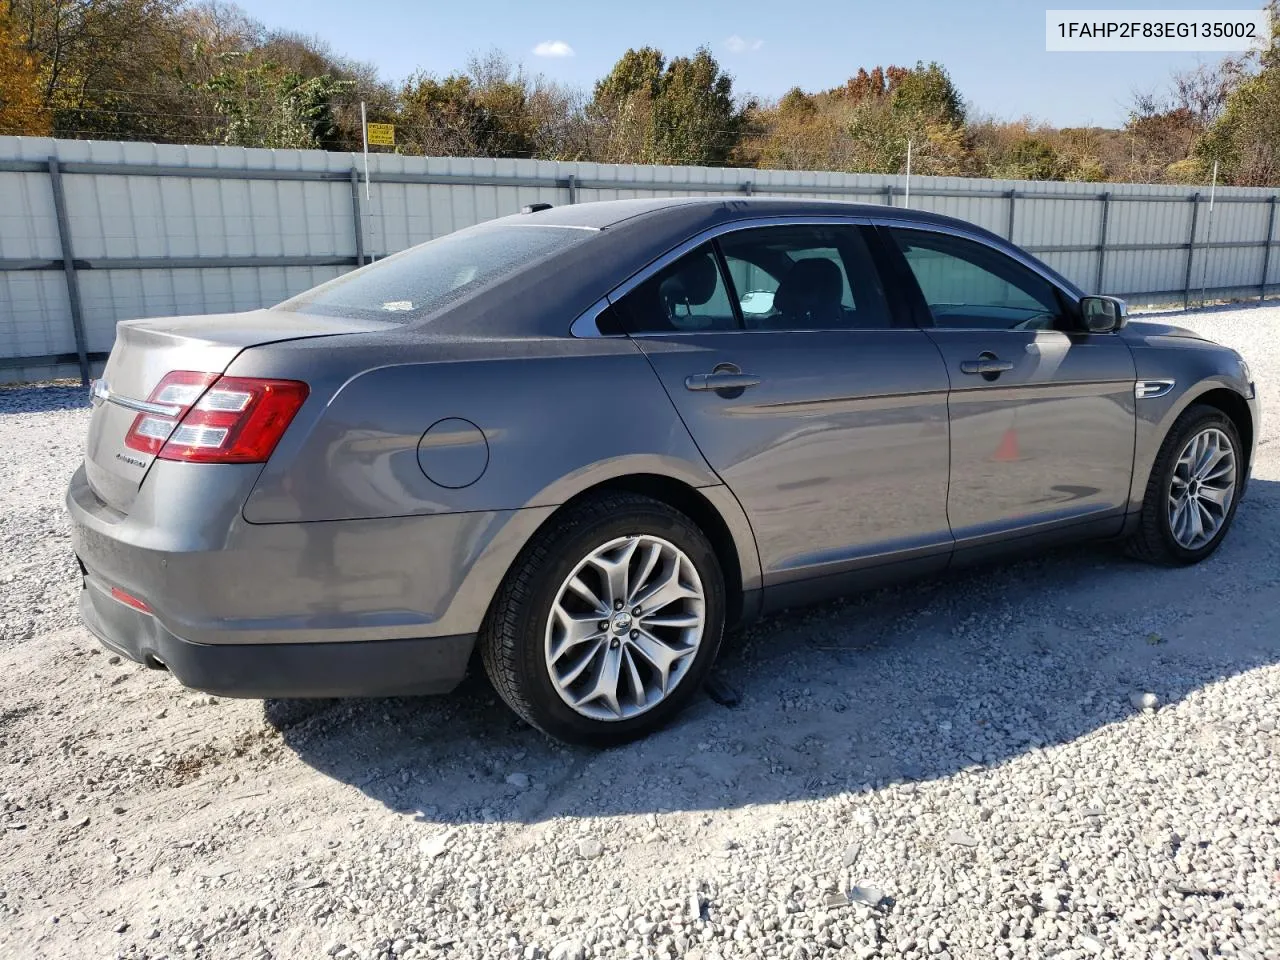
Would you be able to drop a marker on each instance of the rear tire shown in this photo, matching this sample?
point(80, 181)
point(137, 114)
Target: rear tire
point(568, 659)
point(1193, 490)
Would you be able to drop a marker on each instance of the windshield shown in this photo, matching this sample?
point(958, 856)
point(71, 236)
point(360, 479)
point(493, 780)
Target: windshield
point(425, 278)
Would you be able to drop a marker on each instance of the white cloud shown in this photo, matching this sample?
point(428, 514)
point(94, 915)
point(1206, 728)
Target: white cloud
point(737, 44)
point(553, 48)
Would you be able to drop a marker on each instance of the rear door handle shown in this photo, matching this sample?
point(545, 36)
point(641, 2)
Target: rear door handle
point(720, 381)
point(985, 366)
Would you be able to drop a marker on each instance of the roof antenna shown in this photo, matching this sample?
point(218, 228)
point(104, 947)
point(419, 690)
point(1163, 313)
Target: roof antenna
point(534, 207)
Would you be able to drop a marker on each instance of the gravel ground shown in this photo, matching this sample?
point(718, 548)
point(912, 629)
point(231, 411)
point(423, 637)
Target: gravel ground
point(961, 768)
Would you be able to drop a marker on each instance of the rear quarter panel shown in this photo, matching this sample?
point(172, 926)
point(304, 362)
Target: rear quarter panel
point(558, 416)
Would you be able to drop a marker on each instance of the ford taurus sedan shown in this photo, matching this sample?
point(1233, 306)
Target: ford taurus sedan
point(578, 443)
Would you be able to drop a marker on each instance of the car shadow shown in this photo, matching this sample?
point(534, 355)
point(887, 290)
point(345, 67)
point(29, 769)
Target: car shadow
point(43, 399)
point(911, 683)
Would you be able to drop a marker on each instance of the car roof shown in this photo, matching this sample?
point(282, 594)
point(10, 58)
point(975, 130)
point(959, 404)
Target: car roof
point(606, 214)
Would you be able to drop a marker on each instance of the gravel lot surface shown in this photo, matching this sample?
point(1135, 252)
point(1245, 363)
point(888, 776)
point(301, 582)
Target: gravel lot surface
point(961, 768)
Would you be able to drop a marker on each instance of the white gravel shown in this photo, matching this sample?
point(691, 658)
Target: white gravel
point(1075, 756)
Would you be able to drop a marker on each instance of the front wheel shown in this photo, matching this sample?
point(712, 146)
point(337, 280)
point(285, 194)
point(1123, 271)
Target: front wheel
point(1193, 491)
point(608, 622)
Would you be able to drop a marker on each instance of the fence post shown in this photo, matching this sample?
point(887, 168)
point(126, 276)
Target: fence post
point(69, 267)
point(1013, 199)
point(573, 189)
point(1102, 241)
point(888, 195)
point(1191, 250)
point(357, 222)
point(1266, 250)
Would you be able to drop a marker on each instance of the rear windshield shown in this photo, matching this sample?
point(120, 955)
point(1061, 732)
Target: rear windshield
point(425, 278)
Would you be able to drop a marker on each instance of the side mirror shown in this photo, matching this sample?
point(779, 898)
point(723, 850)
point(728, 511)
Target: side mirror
point(1103, 314)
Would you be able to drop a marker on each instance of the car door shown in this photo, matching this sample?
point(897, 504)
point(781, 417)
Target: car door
point(1042, 412)
point(818, 408)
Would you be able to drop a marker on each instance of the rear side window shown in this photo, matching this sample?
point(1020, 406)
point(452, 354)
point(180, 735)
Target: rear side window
point(805, 277)
point(687, 296)
point(432, 275)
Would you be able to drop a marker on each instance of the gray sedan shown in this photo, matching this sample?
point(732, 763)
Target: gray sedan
point(580, 443)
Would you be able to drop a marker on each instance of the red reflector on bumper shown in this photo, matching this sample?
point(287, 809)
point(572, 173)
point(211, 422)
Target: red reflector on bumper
point(129, 600)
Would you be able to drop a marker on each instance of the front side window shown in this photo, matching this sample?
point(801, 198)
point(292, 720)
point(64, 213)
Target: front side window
point(805, 278)
point(686, 296)
point(432, 275)
point(968, 285)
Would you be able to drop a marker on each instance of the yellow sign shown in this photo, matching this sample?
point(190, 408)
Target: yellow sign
point(382, 134)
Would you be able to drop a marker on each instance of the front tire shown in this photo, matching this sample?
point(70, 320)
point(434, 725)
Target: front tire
point(1193, 491)
point(608, 622)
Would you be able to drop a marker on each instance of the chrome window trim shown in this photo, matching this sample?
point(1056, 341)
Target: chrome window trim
point(667, 334)
point(753, 223)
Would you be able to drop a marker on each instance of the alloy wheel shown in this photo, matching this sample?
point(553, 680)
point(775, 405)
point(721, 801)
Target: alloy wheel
point(1202, 488)
point(624, 628)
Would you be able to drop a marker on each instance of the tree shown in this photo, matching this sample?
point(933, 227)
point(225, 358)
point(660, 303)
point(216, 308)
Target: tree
point(265, 105)
point(695, 119)
point(95, 58)
point(1245, 138)
point(621, 110)
point(1027, 150)
point(494, 109)
point(349, 83)
point(885, 108)
point(926, 91)
point(794, 134)
point(22, 109)
point(648, 110)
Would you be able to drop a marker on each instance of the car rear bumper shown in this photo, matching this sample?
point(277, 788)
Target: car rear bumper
point(364, 668)
point(345, 608)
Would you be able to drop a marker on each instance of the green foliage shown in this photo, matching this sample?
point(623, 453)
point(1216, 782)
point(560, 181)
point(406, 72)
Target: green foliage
point(454, 116)
point(927, 91)
point(695, 120)
point(265, 105)
point(650, 110)
point(1245, 140)
point(638, 73)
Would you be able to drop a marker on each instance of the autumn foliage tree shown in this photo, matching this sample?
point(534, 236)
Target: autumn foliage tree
point(865, 125)
point(22, 109)
point(203, 71)
point(1245, 138)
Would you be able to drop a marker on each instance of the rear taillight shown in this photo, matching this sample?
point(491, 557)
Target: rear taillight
point(210, 419)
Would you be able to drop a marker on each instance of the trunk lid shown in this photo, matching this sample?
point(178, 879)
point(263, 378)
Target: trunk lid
point(146, 350)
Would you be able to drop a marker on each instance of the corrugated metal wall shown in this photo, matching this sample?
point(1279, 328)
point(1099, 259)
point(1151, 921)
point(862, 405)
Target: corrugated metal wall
point(269, 223)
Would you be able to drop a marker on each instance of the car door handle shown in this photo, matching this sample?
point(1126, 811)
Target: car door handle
point(985, 366)
point(720, 381)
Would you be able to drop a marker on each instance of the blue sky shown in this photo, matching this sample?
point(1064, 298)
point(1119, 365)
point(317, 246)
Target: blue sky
point(993, 50)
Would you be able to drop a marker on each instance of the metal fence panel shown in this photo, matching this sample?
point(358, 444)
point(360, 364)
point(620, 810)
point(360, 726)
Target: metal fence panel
point(164, 229)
